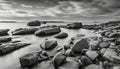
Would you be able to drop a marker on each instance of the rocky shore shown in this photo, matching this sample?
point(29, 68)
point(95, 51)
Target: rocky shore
point(98, 52)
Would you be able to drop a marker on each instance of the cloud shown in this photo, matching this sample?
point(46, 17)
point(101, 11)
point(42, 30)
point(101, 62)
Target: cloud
point(27, 6)
point(60, 8)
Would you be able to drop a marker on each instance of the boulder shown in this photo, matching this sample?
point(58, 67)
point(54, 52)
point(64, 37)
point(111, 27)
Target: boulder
point(34, 23)
point(61, 35)
point(104, 44)
point(47, 31)
point(75, 25)
point(28, 60)
point(9, 47)
point(79, 45)
point(93, 66)
point(4, 32)
point(59, 59)
point(5, 39)
point(48, 44)
point(24, 31)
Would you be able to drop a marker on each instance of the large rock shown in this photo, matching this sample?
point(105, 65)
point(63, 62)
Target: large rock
point(93, 66)
point(5, 39)
point(34, 23)
point(75, 25)
point(59, 59)
point(79, 45)
point(61, 35)
point(48, 31)
point(28, 60)
point(48, 44)
point(23, 31)
point(4, 32)
point(9, 47)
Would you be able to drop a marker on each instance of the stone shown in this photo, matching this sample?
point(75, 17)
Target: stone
point(104, 44)
point(7, 48)
point(59, 59)
point(102, 51)
point(34, 23)
point(86, 60)
point(4, 32)
point(61, 35)
point(5, 39)
point(111, 54)
point(24, 31)
point(28, 60)
point(46, 65)
point(47, 31)
point(70, 64)
point(92, 54)
point(93, 66)
point(114, 35)
point(75, 25)
point(79, 45)
point(48, 44)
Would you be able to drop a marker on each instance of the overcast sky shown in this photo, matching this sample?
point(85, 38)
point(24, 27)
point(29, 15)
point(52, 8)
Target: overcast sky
point(59, 9)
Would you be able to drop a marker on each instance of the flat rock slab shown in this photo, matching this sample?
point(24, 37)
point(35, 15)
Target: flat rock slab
point(24, 31)
point(70, 65)
point(34, 23)
point(5, 39)
point(47, 31)
point(4, 32)
point(61, 35)
point(9, 47)
point(93, 66)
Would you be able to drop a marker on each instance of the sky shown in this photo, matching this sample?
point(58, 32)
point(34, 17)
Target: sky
point(59, 10)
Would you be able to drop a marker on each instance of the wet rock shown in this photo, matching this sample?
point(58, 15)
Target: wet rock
point(111, 54)
point(79, 45)
point(102, 51)
point(93, 66)
point(4, 32)
point(46, 65)
point(24, 31)
point(70, 64)
point(48, 44)
point(59, 59)
point(34, 23)
point(75, 25)
point(5, 39)
point(86, 61)
point(47, 31)
point(104, 44)
point(28, 60)
point(7, 48)
point(114, 35)
point(42, 56)
point(92, 54)
point(61, 35)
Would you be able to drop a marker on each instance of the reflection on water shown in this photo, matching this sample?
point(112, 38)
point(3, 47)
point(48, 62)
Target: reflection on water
point(11, 61)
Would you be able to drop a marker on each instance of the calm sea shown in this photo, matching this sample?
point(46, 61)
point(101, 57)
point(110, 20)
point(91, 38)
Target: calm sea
point(11, 60)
